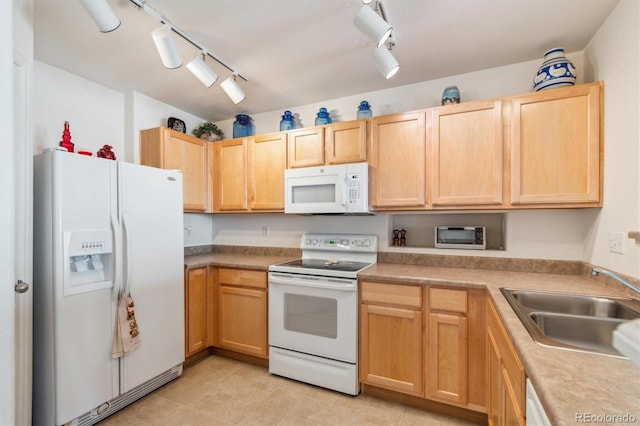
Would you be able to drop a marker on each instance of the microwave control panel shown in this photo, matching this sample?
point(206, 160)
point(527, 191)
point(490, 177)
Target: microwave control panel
point(354, 188)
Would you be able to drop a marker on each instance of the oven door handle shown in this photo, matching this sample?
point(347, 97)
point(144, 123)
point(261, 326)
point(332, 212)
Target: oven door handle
point(313, 282)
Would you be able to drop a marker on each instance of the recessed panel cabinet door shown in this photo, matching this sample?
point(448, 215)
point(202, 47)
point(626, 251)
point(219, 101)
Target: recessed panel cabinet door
point(466, 143)
point(398, 156)
point(196, 311)
point(556, 146)
point(391, 348)
point(267, 162)
point(230, 175)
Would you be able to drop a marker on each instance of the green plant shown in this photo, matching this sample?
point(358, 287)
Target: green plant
point(207, 128)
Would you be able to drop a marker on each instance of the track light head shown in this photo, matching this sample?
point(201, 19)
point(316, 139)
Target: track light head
point(231, 88)
point(102, 14)
point(372, 24)
point(200, 69)
point(385, 62)
point(166, 45)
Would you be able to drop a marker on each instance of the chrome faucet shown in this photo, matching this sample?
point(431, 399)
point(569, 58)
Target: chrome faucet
point(596, 271)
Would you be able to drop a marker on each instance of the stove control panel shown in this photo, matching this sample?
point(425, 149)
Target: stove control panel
point(340, 242)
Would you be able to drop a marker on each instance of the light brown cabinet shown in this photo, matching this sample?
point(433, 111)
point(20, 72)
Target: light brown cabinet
point(466, 145)
point(556, 147)
point(346, 142)
point(398, 161)
point(337, 143)
point(242, 311)
point(391, 337)
point(168, 149)
point(248, 174)
point(424, 341)
point(506, 384)
point(305, 147)
point(456, 347)
point(196, 310)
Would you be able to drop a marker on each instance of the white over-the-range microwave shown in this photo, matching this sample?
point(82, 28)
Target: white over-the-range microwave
point(335, 189)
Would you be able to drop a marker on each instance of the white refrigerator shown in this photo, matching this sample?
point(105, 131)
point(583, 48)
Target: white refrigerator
point(98, 225)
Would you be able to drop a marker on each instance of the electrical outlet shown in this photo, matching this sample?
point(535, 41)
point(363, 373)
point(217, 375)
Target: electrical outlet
point(616, 242)
point(266, 231)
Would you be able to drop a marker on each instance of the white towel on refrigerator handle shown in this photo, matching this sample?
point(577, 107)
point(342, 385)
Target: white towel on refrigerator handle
point(127, 333)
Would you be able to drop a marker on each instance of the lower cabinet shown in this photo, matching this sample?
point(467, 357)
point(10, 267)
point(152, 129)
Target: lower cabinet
point(226, 308)
point(391, 337)
point(242, 311)
point(506, 376)
point(425, 341)
point(196, 310)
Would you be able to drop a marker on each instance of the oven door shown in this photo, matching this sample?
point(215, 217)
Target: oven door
point(314, 315)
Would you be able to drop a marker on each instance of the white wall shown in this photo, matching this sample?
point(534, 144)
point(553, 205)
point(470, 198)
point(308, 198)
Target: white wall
point(614, 56)
point(94, 112)
point(491, 83)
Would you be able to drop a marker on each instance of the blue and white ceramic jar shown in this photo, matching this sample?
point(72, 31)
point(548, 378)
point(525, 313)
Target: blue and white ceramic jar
point(555, 71)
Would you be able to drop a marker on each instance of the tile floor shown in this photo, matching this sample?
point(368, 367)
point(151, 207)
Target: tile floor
point(223, 392)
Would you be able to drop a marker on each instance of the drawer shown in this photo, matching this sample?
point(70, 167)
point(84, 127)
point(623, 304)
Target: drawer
point(242, 277)
point(391, 294)
point(445, 299)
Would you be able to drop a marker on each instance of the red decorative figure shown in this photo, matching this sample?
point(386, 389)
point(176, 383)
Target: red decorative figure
point(105, 152)
point(66, 138)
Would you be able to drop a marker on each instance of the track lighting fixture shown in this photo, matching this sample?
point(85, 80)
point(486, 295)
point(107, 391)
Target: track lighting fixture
point(385, 62)
point(373, 25)
point(232, 89)
point(166, 45)
point(200, 69)
point(102, 14)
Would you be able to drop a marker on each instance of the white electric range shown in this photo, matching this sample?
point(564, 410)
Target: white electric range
point(313, 311)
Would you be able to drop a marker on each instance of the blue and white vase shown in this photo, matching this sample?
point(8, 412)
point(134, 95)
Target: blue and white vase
point(555, 71)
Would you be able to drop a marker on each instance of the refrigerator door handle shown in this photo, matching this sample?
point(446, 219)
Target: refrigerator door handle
point(117, 264)
point(126, 276)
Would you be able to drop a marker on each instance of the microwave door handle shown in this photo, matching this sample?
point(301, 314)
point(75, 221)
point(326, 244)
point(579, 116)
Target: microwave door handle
point(345, 190)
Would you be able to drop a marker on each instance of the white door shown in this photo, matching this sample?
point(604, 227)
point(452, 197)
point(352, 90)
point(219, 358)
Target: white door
point(151, 215)
point(15, 219)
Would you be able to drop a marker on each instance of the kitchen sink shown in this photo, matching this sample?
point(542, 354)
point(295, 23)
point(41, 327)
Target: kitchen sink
point(572, 321)
point(576, 304)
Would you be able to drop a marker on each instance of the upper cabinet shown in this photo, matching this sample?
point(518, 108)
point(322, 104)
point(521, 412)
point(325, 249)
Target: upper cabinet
point(305, 147)
point(466, 148)
point(556, 147)
point(248, 174)
point(168, 149)
point(337, 143)
point(346, 142)
point(398, 160)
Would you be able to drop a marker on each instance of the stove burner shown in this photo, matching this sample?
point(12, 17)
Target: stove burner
point(334, 265)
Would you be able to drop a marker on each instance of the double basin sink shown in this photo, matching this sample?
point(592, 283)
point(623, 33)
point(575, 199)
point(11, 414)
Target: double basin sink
point(572, 321)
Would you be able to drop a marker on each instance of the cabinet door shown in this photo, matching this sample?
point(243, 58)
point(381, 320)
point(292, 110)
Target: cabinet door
point(243, 320)
point(495, 401)
point(466, 143)
point(230, 175)
point(398, 161)
point(305, 147)
point(196, 311)
point(447, 358)
point(391, 348)
point(167, 149)
point(346, 142)
point(267, 162)
point(556, 146)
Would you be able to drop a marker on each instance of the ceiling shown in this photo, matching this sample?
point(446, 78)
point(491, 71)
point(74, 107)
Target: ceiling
point(304, 51)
